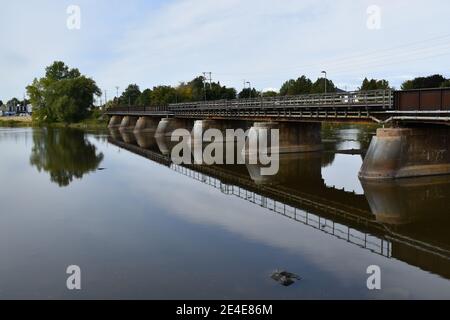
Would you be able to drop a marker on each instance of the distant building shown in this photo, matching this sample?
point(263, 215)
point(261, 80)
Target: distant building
point(17, 108)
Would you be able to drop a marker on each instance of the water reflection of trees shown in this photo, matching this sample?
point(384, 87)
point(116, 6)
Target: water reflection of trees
point(65, 154)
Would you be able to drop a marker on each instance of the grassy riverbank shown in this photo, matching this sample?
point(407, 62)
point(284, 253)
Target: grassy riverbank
point(90, 123)
point(16, 122)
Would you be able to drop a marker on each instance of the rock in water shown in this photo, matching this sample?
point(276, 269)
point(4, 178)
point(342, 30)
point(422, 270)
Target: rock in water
point(285, 278)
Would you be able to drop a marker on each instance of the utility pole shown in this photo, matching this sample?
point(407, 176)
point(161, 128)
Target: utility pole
point(325, 73)
point(207, 76)
point(249, 89)
point(117, 92)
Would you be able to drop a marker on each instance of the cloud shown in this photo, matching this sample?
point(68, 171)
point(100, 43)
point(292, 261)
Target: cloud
point(263, 41)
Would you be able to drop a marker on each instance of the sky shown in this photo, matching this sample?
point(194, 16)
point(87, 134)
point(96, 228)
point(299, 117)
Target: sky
point(265, 42)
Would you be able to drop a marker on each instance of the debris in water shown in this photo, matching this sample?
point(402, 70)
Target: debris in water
point(285, 278)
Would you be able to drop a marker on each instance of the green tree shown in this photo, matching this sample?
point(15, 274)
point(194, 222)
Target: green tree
point(434, 81)
point(446, 84)
point(131, 95)
point(302, 85)
point(198, 89)
point(62, 95)
point(59, 71)
point(249, 93)
point(374, 84)
point(270, 94)
point(145, 99)
point(319, 86)
point(163, 95)
point(217, 92)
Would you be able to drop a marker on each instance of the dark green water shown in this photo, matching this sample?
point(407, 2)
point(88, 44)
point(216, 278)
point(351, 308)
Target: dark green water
point(141, 227)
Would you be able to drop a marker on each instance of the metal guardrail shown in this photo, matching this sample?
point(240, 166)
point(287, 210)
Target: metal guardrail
point(382, 99)
point(144, 109)
point(359, 100)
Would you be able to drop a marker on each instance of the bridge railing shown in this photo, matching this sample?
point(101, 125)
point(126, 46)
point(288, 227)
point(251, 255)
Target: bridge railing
point(138, 109)
point(369, 99)
point(379, 99)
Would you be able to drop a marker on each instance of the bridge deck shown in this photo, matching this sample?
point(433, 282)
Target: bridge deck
point(378, 105)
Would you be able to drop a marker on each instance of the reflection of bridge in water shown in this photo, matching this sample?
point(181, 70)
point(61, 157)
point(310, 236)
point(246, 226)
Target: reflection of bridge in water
point(403, 220)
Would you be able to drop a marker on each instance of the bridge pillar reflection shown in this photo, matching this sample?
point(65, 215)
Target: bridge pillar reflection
point(115, 133)
point(127, 136)
point(296, 171)
point(294, 137)
point(128, 122)
point(146, 140)
point(115, 122)
point(407, 201)
point(407, 152)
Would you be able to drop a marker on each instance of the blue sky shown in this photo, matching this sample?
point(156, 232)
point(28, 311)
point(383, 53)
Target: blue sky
point(262, 41)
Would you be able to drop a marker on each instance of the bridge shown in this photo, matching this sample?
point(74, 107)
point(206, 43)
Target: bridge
point(302, 197)
point(416, 143)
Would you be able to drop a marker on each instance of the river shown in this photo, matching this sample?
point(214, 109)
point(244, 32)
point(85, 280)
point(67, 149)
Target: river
point(141, 227)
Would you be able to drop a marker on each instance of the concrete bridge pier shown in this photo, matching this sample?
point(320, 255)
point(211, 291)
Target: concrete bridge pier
point(128, 123)
point(407, 152)
point(168, 125)
point(164, 132)
point(201, 126)
point(293, 137)
point(115, 122)
point(147, 124)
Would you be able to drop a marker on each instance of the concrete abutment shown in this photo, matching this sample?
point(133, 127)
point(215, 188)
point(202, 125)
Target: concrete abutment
point(407, 152)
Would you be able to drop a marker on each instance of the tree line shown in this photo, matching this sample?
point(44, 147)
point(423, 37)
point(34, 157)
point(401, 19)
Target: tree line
point(65, 95)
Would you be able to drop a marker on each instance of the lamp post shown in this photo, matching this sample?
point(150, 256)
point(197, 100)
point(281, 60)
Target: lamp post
point(325, 73)
point(249, 89)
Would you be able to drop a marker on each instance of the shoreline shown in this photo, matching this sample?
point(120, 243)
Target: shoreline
point(13, 122)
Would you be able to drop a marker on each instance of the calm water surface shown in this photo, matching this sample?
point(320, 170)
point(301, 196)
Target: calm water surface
point(141, 227)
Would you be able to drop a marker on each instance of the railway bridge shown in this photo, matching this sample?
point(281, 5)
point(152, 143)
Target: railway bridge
point(414, 139)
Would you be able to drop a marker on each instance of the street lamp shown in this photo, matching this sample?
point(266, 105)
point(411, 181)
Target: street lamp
point(325, 73)
point(249, 89)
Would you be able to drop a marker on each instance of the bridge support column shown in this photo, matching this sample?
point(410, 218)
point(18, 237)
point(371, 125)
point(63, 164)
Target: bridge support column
point(146, 124)
point(128, 122)
point(293, 137)
point(115, 122)
point(201, 126)
point(407, 152)
point(168, 125)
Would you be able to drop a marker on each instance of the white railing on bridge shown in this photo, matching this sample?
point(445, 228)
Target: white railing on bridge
point(369, 99)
